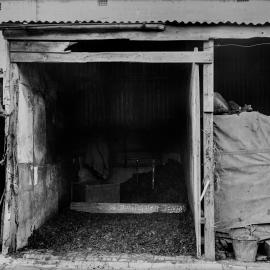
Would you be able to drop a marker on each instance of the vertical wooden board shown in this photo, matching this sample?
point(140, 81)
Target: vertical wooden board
point(5, 225)
point(192, 150)
point(25, 125)
point(194, 154)
point(208, 158)
point(9, 228)
point(197, 158)
point(208, 80)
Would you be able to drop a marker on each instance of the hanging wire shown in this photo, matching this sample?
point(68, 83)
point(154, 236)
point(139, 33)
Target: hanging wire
point(238, 45)
point(242, 46)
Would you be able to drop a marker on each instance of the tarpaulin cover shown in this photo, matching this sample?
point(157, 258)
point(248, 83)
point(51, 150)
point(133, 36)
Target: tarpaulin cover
point(242, 170)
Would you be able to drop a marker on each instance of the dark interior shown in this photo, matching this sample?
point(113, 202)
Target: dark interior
point(242, 71)
point(136, 114)
point(133, 117)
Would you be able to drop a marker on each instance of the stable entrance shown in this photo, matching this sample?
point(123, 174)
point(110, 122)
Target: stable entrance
point(74, 109)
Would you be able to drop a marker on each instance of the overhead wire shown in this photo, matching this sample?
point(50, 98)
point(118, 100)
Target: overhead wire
point(242, 46)
point(238, 45)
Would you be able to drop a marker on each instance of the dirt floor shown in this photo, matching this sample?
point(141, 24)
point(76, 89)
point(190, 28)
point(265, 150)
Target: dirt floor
point(158, 234)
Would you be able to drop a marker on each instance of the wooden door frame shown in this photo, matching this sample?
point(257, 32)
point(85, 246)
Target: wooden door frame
point(208, 156)
point(47, 52)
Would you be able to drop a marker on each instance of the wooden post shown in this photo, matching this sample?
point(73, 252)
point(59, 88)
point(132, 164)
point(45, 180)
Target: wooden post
point(208, 158)
point(9, 228)
point(195, 150)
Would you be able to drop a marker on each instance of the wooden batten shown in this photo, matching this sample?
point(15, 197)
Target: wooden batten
point(199, 33)
point(39, 46)
point(135, 57)
point(208, 158)
point(128, 208)
point(196, 156)
point(192, 159)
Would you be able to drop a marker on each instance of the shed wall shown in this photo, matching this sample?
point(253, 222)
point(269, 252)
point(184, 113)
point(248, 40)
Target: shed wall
point(42, 179)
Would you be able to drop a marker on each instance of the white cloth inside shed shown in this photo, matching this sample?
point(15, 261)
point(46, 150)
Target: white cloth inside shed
point(97, 157)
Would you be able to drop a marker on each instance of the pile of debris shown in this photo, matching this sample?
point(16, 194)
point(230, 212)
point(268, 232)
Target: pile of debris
point(167, 186)
point(158, 234)
point(221, 106)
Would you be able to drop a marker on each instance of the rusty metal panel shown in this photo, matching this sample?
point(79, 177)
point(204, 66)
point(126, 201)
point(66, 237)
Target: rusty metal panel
point(211, 12)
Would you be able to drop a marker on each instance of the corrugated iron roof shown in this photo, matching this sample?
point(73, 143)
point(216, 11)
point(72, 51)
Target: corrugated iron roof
point(252, 12)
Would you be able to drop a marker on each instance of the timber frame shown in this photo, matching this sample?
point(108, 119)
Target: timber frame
point(48, 45)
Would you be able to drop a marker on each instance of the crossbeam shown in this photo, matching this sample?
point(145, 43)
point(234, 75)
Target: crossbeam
point(128, 208)
point(171, 33)
point(135, 57)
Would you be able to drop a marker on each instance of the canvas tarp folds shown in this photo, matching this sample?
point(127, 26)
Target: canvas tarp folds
point(242, 170)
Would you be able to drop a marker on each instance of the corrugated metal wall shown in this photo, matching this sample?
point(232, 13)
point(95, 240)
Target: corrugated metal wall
point(125, 95)
point(243, 75)
point(147, 95)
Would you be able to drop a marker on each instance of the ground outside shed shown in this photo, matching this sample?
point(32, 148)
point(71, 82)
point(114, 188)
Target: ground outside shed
point(45, 260)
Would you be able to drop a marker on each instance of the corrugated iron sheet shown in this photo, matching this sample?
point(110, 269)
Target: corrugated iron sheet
point(123, 95)
point(134, 96)
point(254, 12)
point(242, 75)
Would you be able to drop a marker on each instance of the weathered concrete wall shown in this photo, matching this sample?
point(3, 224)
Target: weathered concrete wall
point(42, 183)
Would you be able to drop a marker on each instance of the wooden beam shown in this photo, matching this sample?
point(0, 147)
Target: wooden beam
point(208, 158)
point(171, 33)
point(10, 208)
point(95, 27)
point(30, 46)
point(196, 142)
point(128, 208)
point(136, 57)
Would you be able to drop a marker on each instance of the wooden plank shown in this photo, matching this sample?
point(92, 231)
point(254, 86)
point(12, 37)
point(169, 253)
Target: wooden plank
point(94, 27)
point(10, 215)
point(193, 148)
point(196, 145)
point(25, 135)
point(171, 33)
point(135, 57)
point(208, 158)
point(128, 208)
point(30, 46)
point(7, 211)
point(208, 93)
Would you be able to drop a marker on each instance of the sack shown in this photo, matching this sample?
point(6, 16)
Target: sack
point(242, 170)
